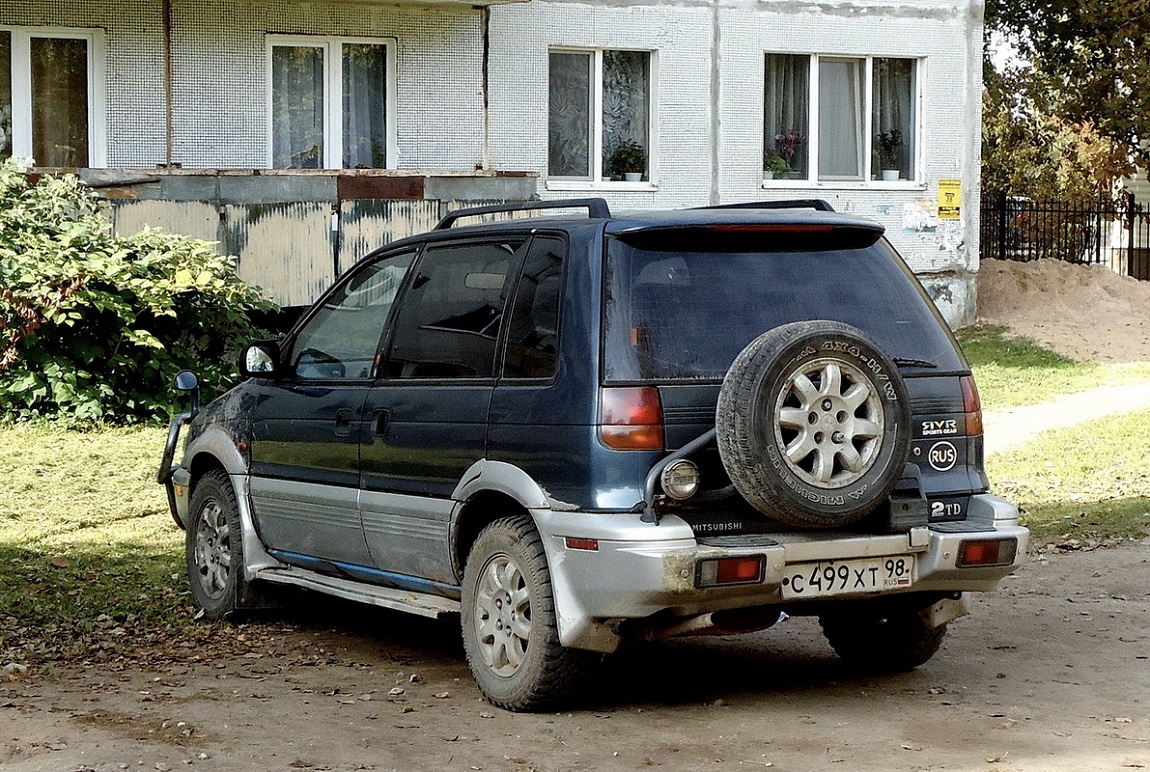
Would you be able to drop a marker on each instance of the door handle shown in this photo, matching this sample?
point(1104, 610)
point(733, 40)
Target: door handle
point(379, 421)
point(343, 422)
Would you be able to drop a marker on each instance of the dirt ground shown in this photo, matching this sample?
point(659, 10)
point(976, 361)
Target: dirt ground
point(1050, 672)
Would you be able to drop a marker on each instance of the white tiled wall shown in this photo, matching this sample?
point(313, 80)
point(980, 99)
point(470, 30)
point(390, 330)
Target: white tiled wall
point(708, 75)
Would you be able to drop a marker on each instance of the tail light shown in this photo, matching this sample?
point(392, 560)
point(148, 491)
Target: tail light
point(987, 552)
point(971, 405)
point(631, 418)
point(720, 571)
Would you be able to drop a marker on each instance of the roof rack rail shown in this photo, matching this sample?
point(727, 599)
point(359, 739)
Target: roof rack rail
point(795, 203)
point(596, 208)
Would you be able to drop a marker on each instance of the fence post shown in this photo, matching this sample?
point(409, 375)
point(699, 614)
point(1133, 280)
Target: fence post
point(1002, 225)
point(1131, 224)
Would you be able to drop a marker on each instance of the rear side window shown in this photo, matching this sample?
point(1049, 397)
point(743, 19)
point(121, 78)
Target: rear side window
point(685, 315)
point(533, 327)
point(449, 318)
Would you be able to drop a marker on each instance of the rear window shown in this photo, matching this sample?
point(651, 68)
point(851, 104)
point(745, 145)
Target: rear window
point(675, 315)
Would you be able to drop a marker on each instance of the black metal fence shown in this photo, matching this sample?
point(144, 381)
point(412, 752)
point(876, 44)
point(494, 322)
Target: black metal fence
point(1110, 231)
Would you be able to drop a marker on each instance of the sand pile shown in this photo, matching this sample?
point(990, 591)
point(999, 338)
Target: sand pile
point(1083, 312)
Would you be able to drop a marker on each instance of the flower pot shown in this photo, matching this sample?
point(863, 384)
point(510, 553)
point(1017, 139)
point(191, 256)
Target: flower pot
point(890, 175)
point(633, 176)
point(768, 175)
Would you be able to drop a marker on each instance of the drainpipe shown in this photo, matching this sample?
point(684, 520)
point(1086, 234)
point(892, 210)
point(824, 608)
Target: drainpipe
point(716, 98)
point(485, 11)
point(168, 120)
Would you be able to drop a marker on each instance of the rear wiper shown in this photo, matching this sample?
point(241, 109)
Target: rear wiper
point(904, 362)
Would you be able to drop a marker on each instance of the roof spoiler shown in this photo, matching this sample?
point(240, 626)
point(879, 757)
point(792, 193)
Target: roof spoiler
point(796, 203)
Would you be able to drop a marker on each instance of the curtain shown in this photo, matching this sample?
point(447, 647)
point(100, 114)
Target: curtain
point(785, 109)
point(894, 108)
point(59, 69)
point(569, 115)
point(5, 94)
point(626, 97)
point(841, 119)
point(364, 106)
point(297, 107)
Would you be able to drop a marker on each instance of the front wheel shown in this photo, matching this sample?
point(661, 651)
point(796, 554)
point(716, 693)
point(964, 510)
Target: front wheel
point(894, 643)
point(213, 548)
point(510, 628)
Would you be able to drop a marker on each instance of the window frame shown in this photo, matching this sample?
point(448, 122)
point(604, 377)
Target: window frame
point(21, 67)
point(333, 139)
point(869, 144)
point(598, 179)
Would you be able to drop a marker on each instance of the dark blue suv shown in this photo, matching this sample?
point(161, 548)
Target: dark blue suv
point(575, 429)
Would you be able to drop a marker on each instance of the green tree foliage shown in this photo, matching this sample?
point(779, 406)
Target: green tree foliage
point(93, 326)
point(1068, 116)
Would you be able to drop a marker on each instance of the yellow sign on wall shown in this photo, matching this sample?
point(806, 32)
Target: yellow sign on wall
point(949, 199)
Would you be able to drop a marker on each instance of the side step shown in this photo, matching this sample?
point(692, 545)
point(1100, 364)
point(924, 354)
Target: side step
point(433, 606)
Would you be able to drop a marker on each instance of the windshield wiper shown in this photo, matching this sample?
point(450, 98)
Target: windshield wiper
point(904, 362)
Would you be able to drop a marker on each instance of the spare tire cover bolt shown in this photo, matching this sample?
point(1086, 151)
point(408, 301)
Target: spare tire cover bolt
point(827, 405)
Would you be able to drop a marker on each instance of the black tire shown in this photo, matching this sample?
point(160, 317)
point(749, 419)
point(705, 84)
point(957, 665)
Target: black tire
point(213, 547)
point(510, 628)
point(813, 424)
point(892, 644)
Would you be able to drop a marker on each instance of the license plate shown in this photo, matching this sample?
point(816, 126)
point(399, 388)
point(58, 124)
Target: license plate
point(845, 577)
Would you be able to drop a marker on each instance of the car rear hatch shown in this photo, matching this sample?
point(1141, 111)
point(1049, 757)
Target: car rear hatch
point(682, 300)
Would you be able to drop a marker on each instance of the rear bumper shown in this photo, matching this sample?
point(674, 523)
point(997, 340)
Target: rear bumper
point(641, 569)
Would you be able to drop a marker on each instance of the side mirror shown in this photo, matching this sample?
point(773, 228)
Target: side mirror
point(186, 380)
point(260, 359)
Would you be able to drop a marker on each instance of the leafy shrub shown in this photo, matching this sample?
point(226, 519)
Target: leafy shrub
point(93, 326)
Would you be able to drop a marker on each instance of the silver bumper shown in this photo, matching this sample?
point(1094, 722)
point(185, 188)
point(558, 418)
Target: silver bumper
point(641, 569)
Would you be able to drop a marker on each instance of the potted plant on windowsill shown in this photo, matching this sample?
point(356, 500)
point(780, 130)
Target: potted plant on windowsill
point(775, 167)
point(889, 142)
point(628, 160)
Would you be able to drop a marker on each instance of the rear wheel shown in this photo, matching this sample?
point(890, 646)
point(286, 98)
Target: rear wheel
point(899, 641)
point(510, 628)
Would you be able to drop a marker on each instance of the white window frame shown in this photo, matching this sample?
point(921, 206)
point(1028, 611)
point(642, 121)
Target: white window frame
point(22, 88)
point(598, 181)
point(812, 178)
point(333, 93)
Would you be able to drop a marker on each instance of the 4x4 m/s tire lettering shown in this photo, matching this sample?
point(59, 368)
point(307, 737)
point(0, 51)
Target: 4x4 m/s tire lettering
point(826, 410)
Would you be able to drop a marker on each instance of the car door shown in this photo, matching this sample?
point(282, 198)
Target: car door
point(426, 418)
point(307, 424)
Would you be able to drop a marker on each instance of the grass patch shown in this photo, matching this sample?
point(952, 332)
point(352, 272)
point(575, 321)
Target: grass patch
point(1013, 371)
point(89, 557)
point(1089, 482)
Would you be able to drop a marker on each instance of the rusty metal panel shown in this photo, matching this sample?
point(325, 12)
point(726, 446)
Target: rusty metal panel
point(368, 224)
point(197, 219)
point(287, 249)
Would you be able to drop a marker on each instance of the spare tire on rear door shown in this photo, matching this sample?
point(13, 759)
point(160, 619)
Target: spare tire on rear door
point(813, 424)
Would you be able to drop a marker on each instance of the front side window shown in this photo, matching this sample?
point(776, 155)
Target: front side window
point(47, 87)
point(449, 321)
point(331, 104)
point(835, 118)
point(341, 339)
point(599, 115)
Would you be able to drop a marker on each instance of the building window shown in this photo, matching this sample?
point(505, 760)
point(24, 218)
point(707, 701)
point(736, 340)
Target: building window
point(331, 104)
point(843, 118)
point(599, 115)
point(48, 87)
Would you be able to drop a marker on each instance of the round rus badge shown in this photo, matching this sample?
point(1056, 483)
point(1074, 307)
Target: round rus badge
point(942, 456)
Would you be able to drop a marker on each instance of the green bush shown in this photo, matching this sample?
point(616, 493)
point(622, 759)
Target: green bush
point(93, 326)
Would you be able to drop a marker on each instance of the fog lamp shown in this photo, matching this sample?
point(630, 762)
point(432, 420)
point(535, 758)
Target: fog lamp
point(680, 479)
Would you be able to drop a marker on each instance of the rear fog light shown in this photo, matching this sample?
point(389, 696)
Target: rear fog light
point(723, 571)
point(987, 552)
